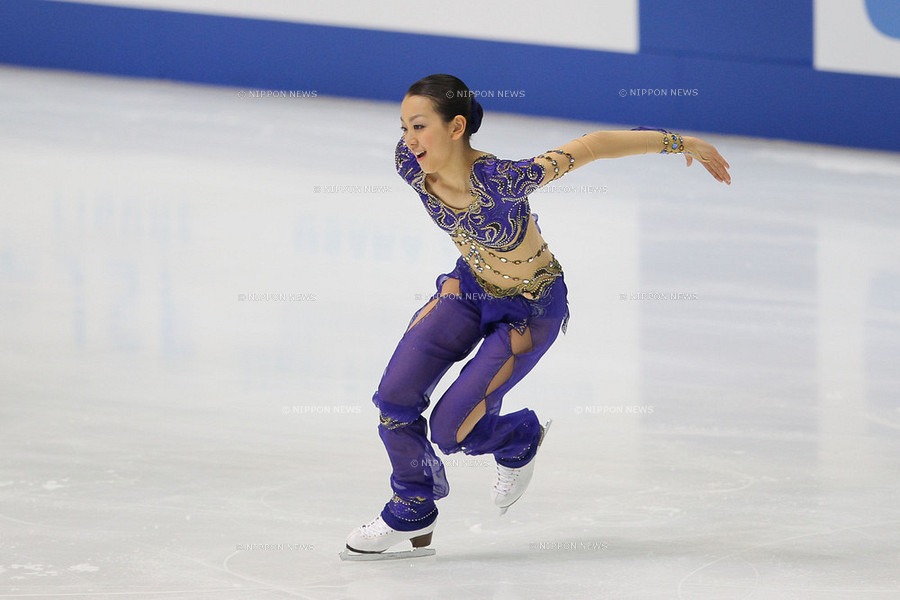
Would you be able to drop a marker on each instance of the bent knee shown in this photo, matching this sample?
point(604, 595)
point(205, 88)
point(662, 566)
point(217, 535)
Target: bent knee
point(443, 433)
point(393, 413)
point(449, 434)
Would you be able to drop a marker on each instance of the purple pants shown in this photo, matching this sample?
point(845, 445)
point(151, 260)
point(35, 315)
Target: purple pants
point(446, 334)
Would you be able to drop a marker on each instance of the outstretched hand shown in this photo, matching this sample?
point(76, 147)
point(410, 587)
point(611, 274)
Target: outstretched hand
point(706, 153)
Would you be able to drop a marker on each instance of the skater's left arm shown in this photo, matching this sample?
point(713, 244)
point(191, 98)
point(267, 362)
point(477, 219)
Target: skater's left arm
point(616, 144)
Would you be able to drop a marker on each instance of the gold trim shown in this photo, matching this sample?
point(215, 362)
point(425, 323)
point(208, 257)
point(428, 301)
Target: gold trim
point(532, 290)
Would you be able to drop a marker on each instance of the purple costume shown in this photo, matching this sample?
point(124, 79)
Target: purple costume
point(496, 221)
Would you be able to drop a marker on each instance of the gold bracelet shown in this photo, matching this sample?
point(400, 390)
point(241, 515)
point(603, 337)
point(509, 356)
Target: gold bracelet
point(677, 143)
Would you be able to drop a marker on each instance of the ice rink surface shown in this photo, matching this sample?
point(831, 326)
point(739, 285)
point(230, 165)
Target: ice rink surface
point(200, 288)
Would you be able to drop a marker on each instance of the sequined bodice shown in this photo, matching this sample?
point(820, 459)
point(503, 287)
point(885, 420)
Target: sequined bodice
point(495, 234)
point(499, 213)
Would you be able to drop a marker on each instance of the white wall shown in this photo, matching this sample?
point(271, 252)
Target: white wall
point(845, 40)
point(596, 25)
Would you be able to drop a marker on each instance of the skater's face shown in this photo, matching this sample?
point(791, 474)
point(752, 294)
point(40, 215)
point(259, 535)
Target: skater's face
point(427, 135)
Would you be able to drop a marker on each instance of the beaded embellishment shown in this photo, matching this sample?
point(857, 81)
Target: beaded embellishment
point(533, 290)
point(390, 423)
point(677, 143)
point(532, 285)
point(499, 213)
point(496, 221)
point(556, 174)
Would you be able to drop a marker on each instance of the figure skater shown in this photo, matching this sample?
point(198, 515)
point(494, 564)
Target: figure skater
point(506, 290)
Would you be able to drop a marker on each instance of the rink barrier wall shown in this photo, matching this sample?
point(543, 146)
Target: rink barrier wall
point(684, 77)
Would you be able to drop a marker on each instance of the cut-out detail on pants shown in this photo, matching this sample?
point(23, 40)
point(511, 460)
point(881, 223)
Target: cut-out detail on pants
point(520, 343)
point(514, 334)
point(449, 288)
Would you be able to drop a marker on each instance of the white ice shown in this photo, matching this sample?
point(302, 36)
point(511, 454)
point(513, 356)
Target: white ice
point(199, 290)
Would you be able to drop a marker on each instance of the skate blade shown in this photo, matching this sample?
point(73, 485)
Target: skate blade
point(545, 432)
point(415, 553)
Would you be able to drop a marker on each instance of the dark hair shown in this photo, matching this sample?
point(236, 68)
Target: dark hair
point(450, 97)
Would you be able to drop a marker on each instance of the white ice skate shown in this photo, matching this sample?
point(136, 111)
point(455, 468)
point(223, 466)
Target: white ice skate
point(510, 484)
point(369, 542)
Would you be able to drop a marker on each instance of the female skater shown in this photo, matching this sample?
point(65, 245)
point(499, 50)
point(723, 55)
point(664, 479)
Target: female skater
point(506, 289)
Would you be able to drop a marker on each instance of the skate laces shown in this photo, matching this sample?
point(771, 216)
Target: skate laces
point(506, 479)
point(376, 528)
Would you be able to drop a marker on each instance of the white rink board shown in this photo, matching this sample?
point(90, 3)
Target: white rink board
point(846, 41)
point(610, 26)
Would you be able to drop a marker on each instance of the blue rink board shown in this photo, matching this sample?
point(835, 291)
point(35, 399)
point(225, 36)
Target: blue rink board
point(721, 83)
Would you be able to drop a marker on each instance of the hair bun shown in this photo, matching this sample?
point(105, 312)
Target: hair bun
point(477, 114)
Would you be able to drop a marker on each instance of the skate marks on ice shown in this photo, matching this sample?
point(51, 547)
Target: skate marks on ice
point(35, 572)
point(730, 565)
point(30, 571)
point(77, 581)
point(665, 502)
point(265, 585)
